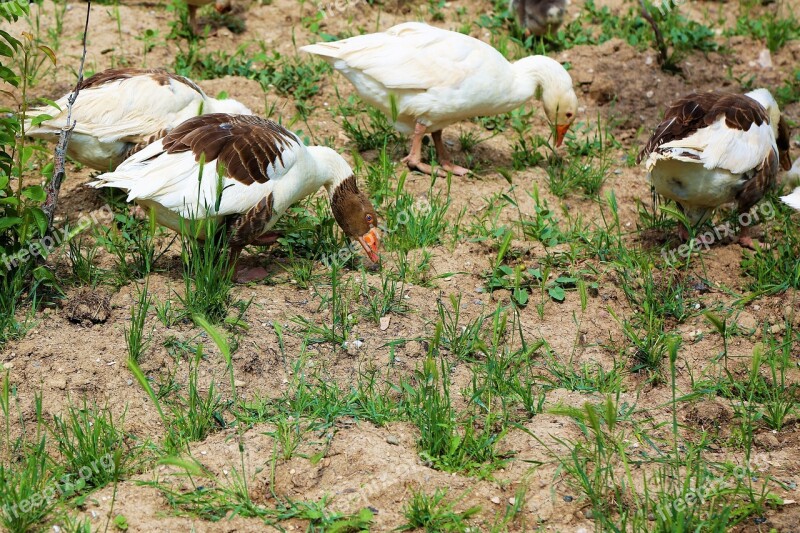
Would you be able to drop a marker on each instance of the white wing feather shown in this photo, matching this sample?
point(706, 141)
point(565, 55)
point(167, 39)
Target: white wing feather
point(719, 146)
point(408, 56)
point(792, 199)
point(147, 108)
point(175, 181)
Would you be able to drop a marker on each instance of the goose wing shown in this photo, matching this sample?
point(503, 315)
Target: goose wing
point(719, 130)
point(210, 165)
point(128, 105)
point(411, 56)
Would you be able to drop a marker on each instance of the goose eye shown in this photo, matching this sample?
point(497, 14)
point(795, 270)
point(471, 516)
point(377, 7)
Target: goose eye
point(369, 219)
point(569, 115)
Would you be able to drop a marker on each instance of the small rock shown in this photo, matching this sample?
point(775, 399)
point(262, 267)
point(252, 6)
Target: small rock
point(393, 440)
point(588, 514)
point(384, 322)
point(512, 500)
point(764, 59)
point(747, 321)
point(238, 383)
point(777, 328)
point(292, 471)
point(568, 498)
point(8, 366)
point(495, 500)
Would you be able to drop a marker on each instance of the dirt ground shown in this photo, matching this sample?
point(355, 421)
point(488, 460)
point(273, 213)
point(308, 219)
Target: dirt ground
point(367, 465)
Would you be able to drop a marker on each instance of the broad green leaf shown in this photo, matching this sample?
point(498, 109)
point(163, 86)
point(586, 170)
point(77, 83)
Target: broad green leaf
point(35, 121)
point(39, 217)
point(556, 293)
point(7, 222)
point(35, 193)
point(13, 41)
point(27, 152)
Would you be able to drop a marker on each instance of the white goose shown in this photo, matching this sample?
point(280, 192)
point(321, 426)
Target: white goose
point(120, 111)
point(713, 148)
point(262, 168)
point(432, 78)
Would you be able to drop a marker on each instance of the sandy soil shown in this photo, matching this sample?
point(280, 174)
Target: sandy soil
point(65, 359)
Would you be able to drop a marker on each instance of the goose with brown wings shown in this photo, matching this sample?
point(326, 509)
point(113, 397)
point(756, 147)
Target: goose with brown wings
point(247, 171)
point(716, 147)
point(121, 110)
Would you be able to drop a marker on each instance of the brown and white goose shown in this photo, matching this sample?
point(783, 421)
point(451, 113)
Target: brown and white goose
point(120, 111)
point(717, 147)
point(539, 17)
point(426, 78)
point(262, 169)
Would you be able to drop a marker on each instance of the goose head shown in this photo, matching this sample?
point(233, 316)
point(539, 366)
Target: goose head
point(552, 84)
point(351, 208)
point(355, 215)
point(780, 128)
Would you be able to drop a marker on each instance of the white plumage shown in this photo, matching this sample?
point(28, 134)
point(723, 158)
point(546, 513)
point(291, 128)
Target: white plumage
point(792, 199)
point(431, 78)
point(175, 186)
point(121, 110)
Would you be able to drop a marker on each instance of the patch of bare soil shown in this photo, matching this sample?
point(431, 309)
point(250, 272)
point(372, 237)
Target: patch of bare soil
point(80, 351)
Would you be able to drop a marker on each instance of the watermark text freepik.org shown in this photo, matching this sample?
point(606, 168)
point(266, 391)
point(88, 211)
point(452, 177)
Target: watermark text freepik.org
point(66, 486)
point(765, 211)
point(44, 246)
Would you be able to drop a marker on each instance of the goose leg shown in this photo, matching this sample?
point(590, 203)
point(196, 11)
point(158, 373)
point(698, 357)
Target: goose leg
point(193, 19)
point(414, 157)
point(268, 238)
point(745, 240)
point(243, 274)
point(444, 156)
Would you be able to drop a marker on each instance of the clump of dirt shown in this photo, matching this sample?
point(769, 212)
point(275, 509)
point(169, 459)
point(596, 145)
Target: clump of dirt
point(88, 307)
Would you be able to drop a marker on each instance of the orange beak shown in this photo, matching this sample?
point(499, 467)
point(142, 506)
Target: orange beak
point(371, 241)
point(561, 131)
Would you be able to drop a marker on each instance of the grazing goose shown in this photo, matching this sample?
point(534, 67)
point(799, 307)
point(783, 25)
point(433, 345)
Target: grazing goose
point(429, 78)
point(222, 6)
point(262, 168)
point(716, 147)
point(539, 17)
point(120, 111)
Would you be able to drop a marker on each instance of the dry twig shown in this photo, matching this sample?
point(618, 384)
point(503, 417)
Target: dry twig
point(53, 187)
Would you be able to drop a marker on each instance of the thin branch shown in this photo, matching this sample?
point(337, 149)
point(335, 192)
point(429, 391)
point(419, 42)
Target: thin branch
point(53, 187)
point(663, 55)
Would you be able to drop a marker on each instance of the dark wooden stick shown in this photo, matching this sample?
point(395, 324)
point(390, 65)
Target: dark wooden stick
point(663, 56)
point(53, 187)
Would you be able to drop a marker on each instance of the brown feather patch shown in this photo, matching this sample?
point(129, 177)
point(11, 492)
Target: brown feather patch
point(763, 179)
point(245, 228)
point(784, 141)
point(161, 76)
point(697, 110)
point(245, 145)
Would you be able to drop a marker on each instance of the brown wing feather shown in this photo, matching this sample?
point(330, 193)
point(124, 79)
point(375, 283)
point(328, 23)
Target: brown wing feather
point(247, 227)
point(697, 110)
point(784, 141)
point(763, 179)
point(245, 145)
point(161, 76)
